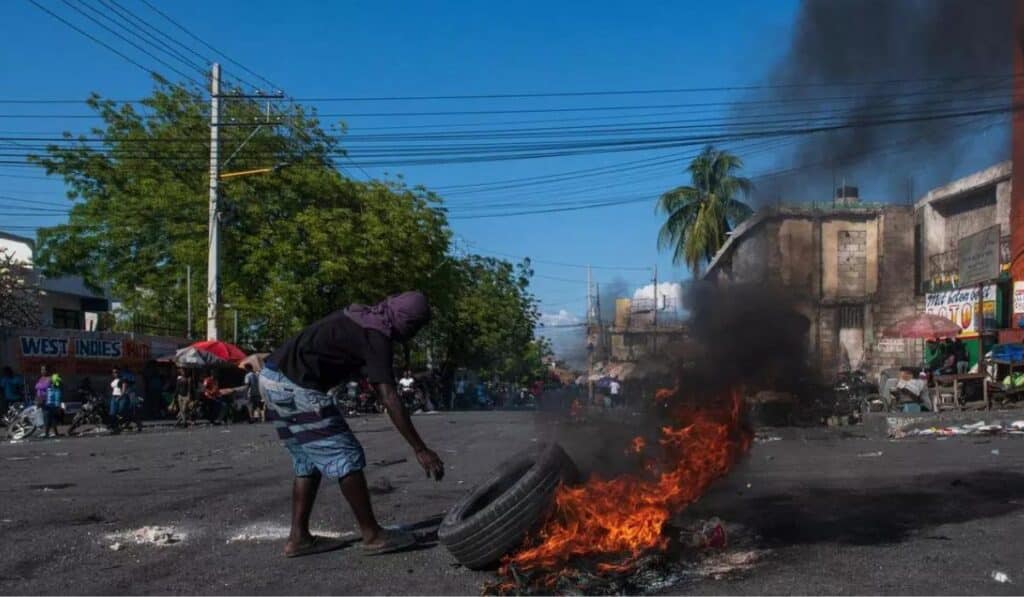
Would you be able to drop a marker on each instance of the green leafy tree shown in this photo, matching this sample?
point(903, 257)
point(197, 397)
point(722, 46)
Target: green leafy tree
point(701, 215)
point(296, 243)
point(19, 293)
point(486, 323)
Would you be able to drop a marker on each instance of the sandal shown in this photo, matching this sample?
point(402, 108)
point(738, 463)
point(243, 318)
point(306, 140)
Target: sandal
point(317, 545)
point(391, 540)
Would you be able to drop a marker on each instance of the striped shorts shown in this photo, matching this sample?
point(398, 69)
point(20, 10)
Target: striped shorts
point(311, 427)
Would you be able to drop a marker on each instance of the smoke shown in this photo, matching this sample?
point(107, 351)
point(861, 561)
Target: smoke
point(742, 338)
point(607, 293)
point(920, 58)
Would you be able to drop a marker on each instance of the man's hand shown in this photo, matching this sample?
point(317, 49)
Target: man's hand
point(431, 463)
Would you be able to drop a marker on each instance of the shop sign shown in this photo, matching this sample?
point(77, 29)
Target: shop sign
point(960, 306)
point(978, 256)
point(1018, 297)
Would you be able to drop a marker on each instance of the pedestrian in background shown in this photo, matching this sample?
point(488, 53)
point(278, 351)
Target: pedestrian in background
point(52, 406)
point(252, 391)
point(183, 397)
point(12, 389)
point(42, 387)
point(211, 399)
point(116, 393)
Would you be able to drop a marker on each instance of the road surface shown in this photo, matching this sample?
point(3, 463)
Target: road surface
point(824, 513)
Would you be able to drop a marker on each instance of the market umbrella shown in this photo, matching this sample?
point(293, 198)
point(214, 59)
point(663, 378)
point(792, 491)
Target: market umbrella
point(923, 325)
point(209, 353)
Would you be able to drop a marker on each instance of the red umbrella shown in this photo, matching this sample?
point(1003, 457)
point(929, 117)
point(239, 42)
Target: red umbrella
point(209, 353)
point(923, 325)
point(220, 349)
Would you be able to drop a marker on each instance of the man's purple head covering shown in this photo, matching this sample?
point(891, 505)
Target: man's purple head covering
point(398, 317)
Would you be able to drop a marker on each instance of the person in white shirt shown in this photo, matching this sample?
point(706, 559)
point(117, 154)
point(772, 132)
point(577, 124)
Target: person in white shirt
point(407, 383)
point(615, 389)
point(116, 393)
point(912, 386)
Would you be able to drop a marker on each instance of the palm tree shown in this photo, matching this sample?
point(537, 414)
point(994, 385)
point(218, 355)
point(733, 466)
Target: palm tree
point(701, 215)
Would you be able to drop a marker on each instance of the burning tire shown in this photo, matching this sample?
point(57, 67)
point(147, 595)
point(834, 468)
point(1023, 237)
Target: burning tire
point(495, 517)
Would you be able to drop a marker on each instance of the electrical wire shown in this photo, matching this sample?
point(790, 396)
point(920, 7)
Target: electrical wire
point(195, 37)
point(130, 42)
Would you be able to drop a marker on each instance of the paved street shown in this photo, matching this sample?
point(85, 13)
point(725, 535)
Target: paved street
point(826, 513)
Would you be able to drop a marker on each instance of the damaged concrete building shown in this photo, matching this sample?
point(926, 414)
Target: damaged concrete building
point(849, 264)
point(856, 268)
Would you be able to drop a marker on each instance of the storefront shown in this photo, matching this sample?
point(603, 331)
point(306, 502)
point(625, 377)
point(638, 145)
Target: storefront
point(77, 355)
point(980, 311)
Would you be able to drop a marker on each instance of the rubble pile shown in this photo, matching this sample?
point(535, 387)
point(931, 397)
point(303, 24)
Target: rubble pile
point(978, 428)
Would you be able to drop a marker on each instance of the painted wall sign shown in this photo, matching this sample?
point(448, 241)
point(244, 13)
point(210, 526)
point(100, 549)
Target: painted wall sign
point(978, 256)
point(960, 306)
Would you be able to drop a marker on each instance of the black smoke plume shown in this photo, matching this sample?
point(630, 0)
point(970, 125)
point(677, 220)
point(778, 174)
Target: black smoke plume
point(906, 59)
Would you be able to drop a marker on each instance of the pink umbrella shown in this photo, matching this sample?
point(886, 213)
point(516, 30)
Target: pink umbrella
point(923, 325)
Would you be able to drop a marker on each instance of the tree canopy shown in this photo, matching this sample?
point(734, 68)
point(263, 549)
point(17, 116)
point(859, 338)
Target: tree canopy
point(296, 243)
point(701, 215)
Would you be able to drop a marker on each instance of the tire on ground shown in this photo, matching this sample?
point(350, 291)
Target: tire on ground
point(497, 515)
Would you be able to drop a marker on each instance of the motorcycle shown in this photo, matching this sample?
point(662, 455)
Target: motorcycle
point(21, 421)
point(93, 412)
point(853, 393)
point(413, 399)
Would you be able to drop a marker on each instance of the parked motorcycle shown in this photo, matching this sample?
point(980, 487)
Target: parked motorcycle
point(92, 414)
point(413, 399)
point(21, 421)
point(853, 392)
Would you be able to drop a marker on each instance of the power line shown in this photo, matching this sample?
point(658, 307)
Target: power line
point(563, 264)
point(588, 93)
point(128, 25)
point(130, 42)
point(167, 17)
point(93, 38)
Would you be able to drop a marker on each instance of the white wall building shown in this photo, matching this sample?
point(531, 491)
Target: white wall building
point(65, 302)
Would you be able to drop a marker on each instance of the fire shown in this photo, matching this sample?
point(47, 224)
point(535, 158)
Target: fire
point(611, 523)
point(637, 445)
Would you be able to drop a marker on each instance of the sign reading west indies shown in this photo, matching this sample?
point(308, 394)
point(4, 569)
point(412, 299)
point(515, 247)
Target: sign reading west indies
point(71, 354)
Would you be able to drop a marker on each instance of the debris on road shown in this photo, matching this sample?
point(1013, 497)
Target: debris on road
point(381, 486)
point(1000, 577)
point(762, 439)
point(709, 534)
point(272, 531)
point(972, 429)
point(116, 546)
point(870, 454)
point(390, 462)
point(148, 535)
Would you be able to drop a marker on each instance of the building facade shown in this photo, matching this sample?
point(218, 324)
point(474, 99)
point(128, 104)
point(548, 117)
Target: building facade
point(65, 302)
point(849, 267)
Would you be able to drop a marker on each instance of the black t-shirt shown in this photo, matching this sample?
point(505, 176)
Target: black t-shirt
point(181, 386)
point(334, 350)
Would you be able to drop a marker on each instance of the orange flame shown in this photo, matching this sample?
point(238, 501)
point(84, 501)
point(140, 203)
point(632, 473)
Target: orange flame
point(616, 521)
point(637, 445)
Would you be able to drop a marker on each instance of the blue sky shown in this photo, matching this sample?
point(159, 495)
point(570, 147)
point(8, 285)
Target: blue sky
point(331, 49)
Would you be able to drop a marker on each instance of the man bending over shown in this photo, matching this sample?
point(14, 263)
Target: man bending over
point(294, 385)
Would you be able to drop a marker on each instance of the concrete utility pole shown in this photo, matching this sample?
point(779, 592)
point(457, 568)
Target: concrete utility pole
point(590, 347)
point(654, 318)
point(188, 299)
point(213, 265)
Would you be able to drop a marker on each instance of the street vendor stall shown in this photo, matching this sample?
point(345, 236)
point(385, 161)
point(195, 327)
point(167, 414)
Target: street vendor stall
point(1004, 369)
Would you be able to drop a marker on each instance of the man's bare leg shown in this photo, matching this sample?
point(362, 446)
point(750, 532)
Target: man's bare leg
point(303, 495)
point(353, 487)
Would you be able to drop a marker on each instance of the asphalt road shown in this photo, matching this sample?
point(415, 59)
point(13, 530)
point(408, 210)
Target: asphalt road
point(821, 513)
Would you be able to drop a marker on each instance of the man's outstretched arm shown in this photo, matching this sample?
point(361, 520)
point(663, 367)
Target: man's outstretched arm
point(427, 458)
